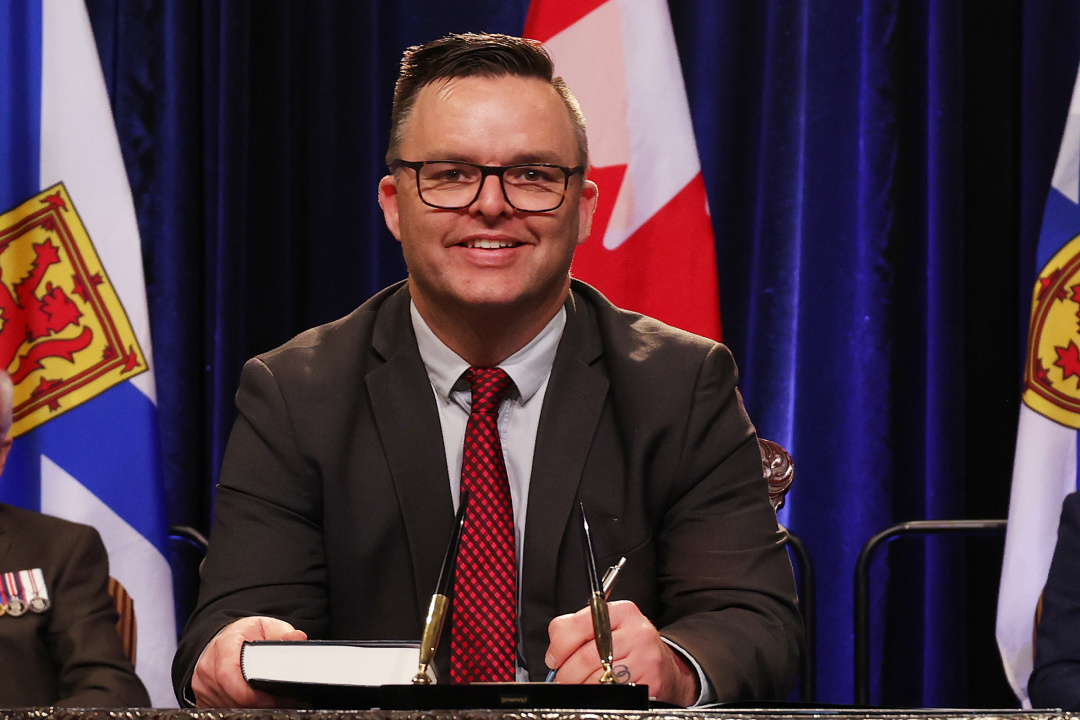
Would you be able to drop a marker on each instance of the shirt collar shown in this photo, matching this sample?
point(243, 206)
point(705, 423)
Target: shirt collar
point(528, 367)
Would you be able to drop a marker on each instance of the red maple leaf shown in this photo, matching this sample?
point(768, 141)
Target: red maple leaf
point(1042, 375)
point(1068, 360)
point(1046, 282)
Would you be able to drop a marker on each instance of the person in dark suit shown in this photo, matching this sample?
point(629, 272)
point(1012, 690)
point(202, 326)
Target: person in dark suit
point(336, 498)
point(1055, 679)
point(58, 640)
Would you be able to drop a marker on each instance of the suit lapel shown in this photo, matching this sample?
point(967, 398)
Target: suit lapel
point(572, 408)
point(403, 404)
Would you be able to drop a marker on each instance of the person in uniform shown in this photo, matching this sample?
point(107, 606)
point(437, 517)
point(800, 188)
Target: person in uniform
point(58, 639)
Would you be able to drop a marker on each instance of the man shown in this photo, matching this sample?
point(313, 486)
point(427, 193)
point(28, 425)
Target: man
point(1055, 680)
point(58, 640)
point(336, 498)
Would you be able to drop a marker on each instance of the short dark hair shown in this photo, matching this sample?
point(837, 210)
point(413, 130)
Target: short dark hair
point(476, 55)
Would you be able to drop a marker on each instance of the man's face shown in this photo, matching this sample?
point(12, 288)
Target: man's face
point(488, 255)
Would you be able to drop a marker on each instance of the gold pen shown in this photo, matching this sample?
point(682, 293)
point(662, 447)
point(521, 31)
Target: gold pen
point(436, 616)
point(599, 609)
point(607, 583)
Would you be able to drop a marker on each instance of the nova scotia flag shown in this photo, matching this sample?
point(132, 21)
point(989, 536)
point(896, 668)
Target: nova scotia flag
point(86, 421)
point(1045, 464)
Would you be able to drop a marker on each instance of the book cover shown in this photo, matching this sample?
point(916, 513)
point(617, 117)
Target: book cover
point(329, 662)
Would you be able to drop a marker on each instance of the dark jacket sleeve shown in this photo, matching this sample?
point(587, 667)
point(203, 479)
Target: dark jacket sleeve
point(726, 582)
point(1055, 680)
point(267, 506)
point(92, 669)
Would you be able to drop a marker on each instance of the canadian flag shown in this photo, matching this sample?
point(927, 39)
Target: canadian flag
point(651, 248)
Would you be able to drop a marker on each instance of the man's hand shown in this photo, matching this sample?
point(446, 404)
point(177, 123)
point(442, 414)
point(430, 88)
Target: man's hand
point(218, 682)
point(637, 645)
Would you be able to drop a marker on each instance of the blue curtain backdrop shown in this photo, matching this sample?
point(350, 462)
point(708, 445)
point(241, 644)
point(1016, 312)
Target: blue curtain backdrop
point(876, 172)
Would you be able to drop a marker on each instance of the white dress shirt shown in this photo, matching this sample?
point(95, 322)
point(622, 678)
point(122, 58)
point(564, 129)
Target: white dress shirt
point(519, 414)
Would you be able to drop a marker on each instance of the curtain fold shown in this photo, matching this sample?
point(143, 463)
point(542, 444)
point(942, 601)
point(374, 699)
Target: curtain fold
point(926, 254)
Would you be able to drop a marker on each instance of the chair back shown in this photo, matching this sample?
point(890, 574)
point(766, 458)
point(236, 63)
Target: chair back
point(125, 624)
point(778, 468)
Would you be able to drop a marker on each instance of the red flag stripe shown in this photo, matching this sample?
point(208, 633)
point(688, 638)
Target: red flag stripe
point(666, 269)
point(651, 248)
point(546, 19)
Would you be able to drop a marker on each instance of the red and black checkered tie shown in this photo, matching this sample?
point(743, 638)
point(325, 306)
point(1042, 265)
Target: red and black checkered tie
point(484, 623)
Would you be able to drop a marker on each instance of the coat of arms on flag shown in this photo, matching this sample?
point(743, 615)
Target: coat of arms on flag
point(64, 336)
point(1052, 368)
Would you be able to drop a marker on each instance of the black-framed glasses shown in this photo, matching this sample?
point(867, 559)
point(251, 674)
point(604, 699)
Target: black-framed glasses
point(452, 185)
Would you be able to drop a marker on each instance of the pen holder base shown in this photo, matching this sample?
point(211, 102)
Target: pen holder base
point(502, 696)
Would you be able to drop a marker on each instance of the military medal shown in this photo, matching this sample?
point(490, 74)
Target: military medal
point(3, 600)
point(39, 601)
point(16, 606)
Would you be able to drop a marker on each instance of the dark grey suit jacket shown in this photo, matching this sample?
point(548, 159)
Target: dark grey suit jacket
point(69, 655)
point(334, 509)
point(1055, 680)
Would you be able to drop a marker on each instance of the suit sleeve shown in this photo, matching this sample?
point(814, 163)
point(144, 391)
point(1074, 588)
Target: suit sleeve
point(266, 552)
point(1055, 681)
point(92, 669)
point(726, 584)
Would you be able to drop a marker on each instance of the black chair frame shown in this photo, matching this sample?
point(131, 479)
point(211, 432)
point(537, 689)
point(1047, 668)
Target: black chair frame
point(808, 669)
point(862, 582)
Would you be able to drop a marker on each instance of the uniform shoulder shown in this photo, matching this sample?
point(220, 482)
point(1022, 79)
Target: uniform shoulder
point(32, 524)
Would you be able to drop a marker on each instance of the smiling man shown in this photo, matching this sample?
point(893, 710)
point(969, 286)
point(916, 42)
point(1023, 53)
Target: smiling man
point(490, 371)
